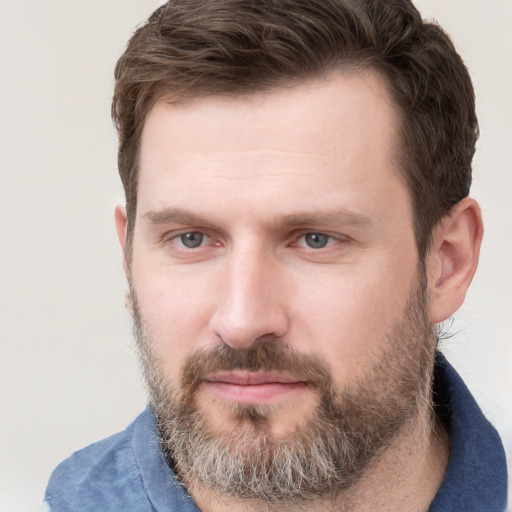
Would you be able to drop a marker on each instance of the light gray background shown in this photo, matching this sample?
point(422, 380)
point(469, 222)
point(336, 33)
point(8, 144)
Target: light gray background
point(68, 373)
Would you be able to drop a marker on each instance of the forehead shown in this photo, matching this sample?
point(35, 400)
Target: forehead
point(348, 98)
point(333, 135)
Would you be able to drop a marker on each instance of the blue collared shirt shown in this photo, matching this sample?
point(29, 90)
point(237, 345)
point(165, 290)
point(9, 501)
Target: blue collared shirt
point(127, 472)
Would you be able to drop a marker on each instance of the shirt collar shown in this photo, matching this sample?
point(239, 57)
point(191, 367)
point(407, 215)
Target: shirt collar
point(476, 475)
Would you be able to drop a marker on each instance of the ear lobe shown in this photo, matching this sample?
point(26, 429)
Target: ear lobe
point(120, 218)
point(453, 258)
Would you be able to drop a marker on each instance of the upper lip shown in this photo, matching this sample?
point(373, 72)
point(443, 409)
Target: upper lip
point(252, 378)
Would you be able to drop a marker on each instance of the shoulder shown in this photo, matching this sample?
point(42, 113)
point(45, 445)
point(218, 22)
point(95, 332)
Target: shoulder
point(103, 476)
point(476, 476)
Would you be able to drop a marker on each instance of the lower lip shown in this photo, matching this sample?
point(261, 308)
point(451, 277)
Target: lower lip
point(254, 393)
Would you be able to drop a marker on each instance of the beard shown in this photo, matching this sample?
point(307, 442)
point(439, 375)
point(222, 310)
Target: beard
point(323, 455)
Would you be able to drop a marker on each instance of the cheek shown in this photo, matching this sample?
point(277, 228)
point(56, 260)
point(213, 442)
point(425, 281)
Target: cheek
point(347, 320)
point(176, 318)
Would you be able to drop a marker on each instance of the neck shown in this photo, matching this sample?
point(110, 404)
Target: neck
point(406, 477)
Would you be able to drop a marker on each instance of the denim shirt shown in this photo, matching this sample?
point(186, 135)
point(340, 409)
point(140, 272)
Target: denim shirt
point(127, 471)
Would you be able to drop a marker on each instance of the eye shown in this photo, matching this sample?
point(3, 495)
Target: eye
point(192, 240)
point(315, 240)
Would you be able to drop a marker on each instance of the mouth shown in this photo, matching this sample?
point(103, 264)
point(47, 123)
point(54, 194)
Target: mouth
point(253, 387)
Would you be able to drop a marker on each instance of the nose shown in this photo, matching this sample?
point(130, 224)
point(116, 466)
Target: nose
point(252, 300)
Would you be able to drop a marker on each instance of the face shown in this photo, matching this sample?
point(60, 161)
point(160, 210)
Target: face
point(274, 271)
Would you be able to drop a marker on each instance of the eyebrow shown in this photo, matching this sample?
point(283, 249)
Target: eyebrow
point(177, 215)
point(320, 218)
point(325, 218)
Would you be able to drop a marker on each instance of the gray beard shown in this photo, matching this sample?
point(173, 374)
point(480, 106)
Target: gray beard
point(323, 456)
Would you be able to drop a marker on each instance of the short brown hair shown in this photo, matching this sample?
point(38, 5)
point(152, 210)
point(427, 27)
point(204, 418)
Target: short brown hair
point(191, 48)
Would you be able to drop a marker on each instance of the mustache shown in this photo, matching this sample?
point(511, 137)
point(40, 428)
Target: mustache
point(267, 356)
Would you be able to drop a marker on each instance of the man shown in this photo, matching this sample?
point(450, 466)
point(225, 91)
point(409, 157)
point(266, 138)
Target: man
point(297, 222)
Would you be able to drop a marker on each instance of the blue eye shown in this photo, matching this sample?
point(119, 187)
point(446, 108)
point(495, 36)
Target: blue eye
point(192, 240)
point(316, 240)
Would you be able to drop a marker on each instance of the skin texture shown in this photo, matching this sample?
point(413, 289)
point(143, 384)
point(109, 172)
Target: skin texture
point(254, 176)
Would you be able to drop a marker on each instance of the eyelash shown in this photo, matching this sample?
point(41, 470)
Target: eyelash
point(329, 239)
point(177, 238)
point(326, 237)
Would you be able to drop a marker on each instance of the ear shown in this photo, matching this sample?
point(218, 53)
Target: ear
point(453, 259)
point(120, 217)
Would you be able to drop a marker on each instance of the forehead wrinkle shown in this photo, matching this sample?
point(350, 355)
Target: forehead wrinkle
point(262, 151)
point(264, 176)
